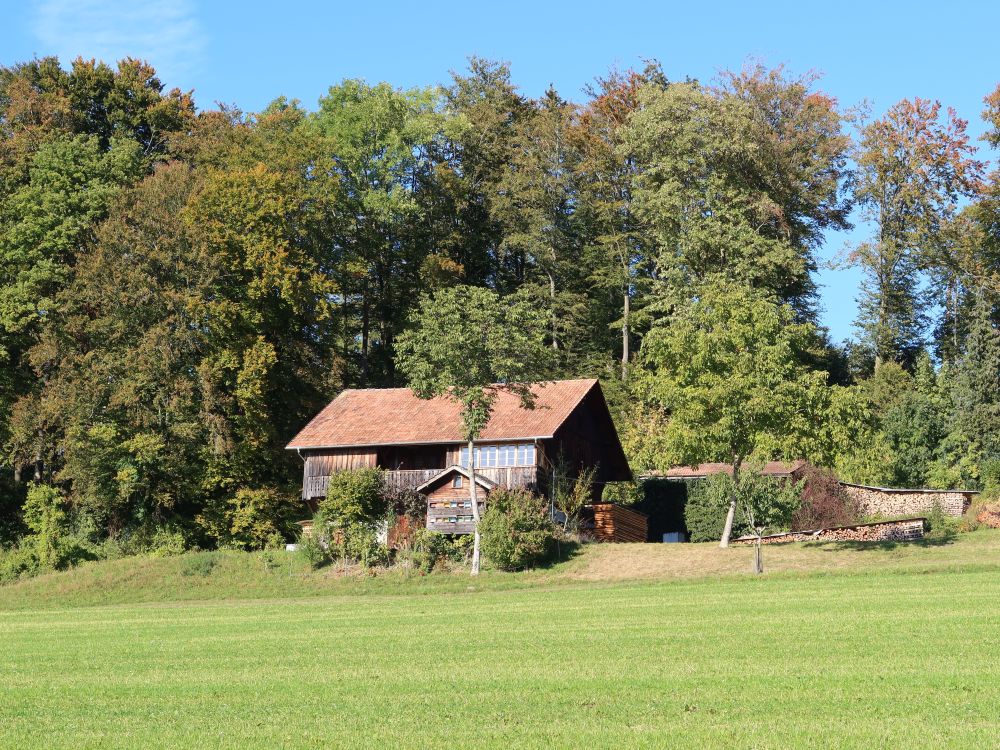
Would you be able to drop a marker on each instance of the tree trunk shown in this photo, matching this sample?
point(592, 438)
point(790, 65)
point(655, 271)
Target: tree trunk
point(364, 337)
point(731, 515)
point(475, 508)
point(625, 310)
point(552, 298)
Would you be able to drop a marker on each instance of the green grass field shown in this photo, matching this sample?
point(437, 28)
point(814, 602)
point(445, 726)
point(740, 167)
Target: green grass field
point(837, 646)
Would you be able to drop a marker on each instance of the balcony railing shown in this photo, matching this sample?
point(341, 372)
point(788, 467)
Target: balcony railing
point(503, 476)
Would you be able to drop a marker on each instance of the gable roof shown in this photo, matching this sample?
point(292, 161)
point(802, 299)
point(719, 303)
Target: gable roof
point(395, 416)
point(487, 484)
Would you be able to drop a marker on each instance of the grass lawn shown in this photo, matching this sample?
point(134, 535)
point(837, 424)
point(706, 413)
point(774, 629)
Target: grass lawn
point(886, 646)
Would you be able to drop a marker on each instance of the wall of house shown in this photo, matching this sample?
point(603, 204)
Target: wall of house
point(445, 502)
point(323, 463)
point(874, 501)
point(413, 457)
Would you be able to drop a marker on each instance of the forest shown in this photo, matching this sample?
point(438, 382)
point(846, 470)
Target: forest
point(182, 289)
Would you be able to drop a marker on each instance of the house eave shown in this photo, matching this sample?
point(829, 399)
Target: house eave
point(308, 447)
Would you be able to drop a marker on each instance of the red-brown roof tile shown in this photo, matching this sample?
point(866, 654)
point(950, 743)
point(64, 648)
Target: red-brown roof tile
point(395, 416)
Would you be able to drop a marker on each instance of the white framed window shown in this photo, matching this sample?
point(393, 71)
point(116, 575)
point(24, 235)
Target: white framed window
point(513, 454)
point(457, 481)
point(526, 454)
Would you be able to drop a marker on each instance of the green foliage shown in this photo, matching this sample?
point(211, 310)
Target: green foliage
point(726, 369)
point(468, 343)
point(45, 515)
point(705, 511)
point(358, 543)
point(199, 564)
point(354, 497)
point(940, 527)
point(314, 549)
point(623, 493)
point(516, 529)
point(571, 494)
point(250, 519)
point(19, 561)
point(914, 168)
point(426, 549)
point(727, 191)
point(761, 502)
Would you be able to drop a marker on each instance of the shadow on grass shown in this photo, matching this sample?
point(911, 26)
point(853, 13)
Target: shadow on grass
point(932, 539)
point(561, 552)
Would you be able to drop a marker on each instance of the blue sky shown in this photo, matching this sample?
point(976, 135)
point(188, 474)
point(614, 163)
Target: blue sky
point(246, 53)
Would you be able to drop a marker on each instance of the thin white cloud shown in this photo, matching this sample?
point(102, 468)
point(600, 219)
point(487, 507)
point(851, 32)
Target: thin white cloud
point(164, 32)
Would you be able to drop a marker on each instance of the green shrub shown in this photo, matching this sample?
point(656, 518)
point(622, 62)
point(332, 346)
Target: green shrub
point(938, 526)
point(516, 529)
point(767, 502)
point(358, 543)
point(313, 550)
point(706, 508)
point(249, 518)
point(45, 514)
point(199, 563)
point(623, 493)
point(354, 497)
point(426, 549)
point(20, 561)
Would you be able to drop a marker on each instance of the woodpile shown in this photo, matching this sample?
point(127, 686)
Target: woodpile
point(613, 523)
point(989, 515)
point(907, 530)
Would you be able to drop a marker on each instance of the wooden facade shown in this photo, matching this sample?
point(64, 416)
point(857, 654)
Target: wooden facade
point(569, 428)
point(449, 509)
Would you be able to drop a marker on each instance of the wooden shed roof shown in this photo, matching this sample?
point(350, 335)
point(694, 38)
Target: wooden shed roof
point(395, 416)
point(481, 480)
point(700, 471)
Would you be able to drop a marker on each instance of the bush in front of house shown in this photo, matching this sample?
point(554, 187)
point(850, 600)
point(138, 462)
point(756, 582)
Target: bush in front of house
point(825, 502)
point(516, 529)
point(355, 496)
point(425, 549)
point(349, 518)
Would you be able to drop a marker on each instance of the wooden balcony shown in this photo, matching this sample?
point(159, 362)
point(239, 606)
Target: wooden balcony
point(503, 476)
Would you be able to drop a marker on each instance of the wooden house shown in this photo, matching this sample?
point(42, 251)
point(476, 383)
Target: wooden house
point(419, 444)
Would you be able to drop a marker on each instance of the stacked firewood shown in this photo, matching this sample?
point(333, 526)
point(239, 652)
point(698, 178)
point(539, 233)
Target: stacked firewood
point(613, 523)
point(909, 530)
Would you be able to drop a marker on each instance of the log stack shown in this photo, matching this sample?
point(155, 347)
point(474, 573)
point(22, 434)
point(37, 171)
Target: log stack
point(907, 530)
point(613, 523)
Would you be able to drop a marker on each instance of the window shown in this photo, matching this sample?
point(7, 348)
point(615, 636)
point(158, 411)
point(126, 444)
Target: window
point(520, 454)
point(457, 481)
point(525, 455)
point(489, 456)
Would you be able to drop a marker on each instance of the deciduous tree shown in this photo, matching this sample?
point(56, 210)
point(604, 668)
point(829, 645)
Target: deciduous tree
point(469, 344)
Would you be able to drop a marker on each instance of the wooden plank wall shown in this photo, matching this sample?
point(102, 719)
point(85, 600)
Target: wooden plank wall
point(325, 463)
point(613, 523)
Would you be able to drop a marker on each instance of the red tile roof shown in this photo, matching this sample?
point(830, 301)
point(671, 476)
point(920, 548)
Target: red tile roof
point(699, 471)
point(395, 416)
